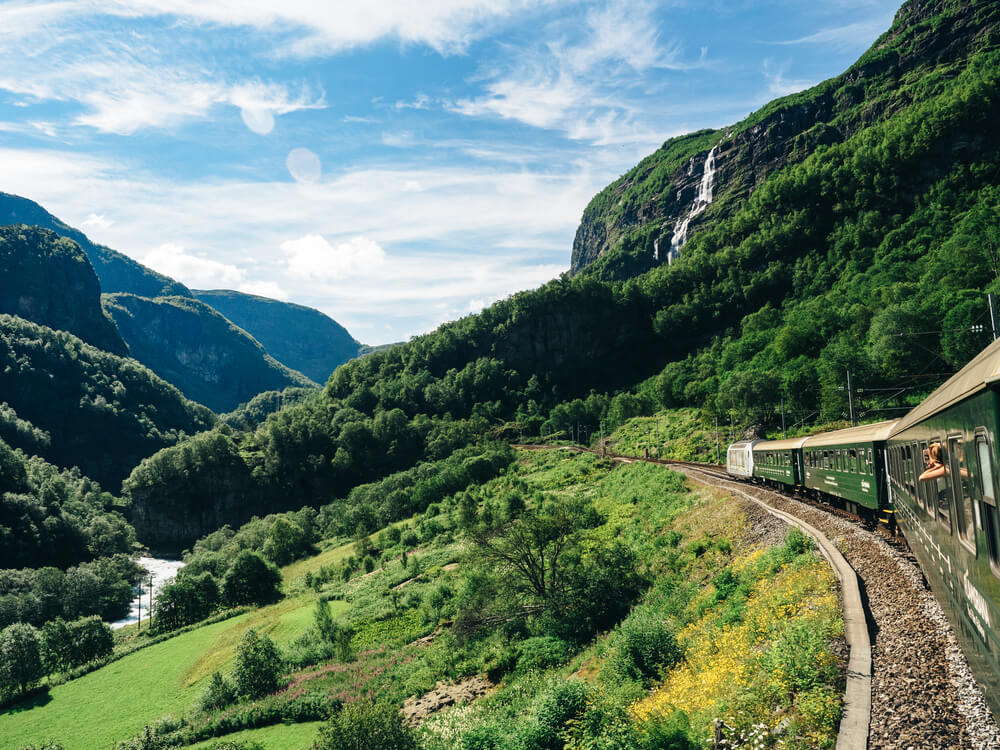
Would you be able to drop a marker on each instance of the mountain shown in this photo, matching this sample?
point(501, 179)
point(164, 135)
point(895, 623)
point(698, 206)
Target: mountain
point(300, 337)
point(77, 405)
point(49, 280)
point(631, 225)
point(117, 272)
point(189, 344)
point(854, 226)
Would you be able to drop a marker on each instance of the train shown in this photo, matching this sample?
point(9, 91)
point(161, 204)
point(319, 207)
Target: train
point(935, 475)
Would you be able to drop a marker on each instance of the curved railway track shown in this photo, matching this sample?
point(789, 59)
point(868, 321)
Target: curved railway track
point(922, 695)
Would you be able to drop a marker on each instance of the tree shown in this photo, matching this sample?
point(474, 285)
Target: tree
point(366, 726)
point(20, 655)
point(285, 542)
point(258, 665)
point(251, 580)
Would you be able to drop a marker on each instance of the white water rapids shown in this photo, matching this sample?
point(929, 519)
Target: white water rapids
point(701, 202)
point(161, 571)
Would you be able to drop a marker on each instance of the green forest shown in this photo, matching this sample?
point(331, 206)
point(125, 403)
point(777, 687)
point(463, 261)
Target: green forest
point(409, 527)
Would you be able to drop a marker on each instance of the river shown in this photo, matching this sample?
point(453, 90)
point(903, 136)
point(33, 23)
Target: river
point(162, 570)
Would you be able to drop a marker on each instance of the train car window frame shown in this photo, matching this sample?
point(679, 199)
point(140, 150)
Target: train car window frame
point(930, 499)
point(944, 491)
point(991, 513)
point(871, 463)
point(965, 520)
point(909, 478)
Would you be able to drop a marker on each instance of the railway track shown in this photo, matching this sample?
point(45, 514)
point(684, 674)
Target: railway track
point(922, 694)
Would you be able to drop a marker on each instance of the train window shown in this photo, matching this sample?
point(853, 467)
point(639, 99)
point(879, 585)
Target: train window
point(908, 473)
point(924, 488)
point(852, 461)
point(987, 489)
point(963, 500)
point(943, 488)
point(871, 463)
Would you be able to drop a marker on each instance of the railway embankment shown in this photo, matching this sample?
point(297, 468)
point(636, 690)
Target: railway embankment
point(923, 694)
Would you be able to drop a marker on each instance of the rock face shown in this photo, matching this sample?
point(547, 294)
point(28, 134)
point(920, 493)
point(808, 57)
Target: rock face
point(117, 272)
point(189, 344)
point(48, 280)
point(415, 710)
point(299, 337)
point(631, 222)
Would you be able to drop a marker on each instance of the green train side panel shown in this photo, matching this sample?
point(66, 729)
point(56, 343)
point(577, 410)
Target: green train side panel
point(783, 472)
point(960, 575)
point(861, 487)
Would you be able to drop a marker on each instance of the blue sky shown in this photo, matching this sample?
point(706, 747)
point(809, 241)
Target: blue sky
point(394, 164)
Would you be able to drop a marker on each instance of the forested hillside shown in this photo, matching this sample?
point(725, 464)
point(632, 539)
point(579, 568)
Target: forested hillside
point(844, 257)
point(48, 280)
point(77, 405)
point(192, 346)
point(300, 337)
point(117, 272)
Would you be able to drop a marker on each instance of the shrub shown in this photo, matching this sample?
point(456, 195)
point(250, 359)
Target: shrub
point(562, 701)
point(643, 647)
point(258, 665)
point(366, 726)
point(219, 693)
point(542, 652)
point(251, 580)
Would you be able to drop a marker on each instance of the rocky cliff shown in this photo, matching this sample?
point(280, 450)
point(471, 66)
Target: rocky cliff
point(300, 337)
point(48, 280)
point(192, 346)
point(631, 224)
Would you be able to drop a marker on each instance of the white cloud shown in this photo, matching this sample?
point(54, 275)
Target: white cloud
point(580, 85)
point(847, 37)
point(97, 221)
point(778, 85)
point(312, 257)
point(270, 289)
point(192, 270)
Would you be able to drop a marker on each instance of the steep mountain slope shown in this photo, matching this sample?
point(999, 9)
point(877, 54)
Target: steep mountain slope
point(189, 344)
point(98, 411)
point(117, 272)
point(633, 224)
point(48, 280)
point(300, 337)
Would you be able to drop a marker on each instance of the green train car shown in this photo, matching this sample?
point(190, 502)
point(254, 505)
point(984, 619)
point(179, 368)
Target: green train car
point(779, 461)
point(849, 464)
point(943, 465)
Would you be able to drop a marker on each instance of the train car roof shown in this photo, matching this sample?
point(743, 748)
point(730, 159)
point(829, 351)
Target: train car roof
point(983, 370)
point(743, 444)
point(780, 445)
point(866, 433)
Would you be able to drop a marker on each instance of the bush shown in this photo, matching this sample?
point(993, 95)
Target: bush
point(251, 580)
point(219, 693)
point(562, 701)
point(366, 726)
point(643, 647)
point(258, 665)
point(542, 652)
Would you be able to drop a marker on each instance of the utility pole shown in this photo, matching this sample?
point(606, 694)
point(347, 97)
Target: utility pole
point(782, 416)
point(604, 448)
point(850, 397)
point(991, 299)
point(150, 616)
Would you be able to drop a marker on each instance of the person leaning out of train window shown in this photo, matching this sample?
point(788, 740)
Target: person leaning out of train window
point(935, 467)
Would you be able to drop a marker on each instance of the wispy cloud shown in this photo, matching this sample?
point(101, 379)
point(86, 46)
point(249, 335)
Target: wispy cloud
point(778, 84)
point(846, 37)
point(579, 83)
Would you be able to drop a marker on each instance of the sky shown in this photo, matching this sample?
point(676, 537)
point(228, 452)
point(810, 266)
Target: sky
point(394, 164)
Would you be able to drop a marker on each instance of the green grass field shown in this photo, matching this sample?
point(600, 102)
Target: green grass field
point(278, 737)
point(117, 701)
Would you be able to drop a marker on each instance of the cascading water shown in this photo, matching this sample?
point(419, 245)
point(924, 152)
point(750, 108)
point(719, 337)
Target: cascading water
point(701, 202)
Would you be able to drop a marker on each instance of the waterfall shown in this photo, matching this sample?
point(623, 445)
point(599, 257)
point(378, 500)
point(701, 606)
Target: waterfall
point(701, 202)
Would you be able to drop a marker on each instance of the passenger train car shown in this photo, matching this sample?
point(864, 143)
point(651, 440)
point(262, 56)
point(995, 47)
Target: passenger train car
point(937, 472)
